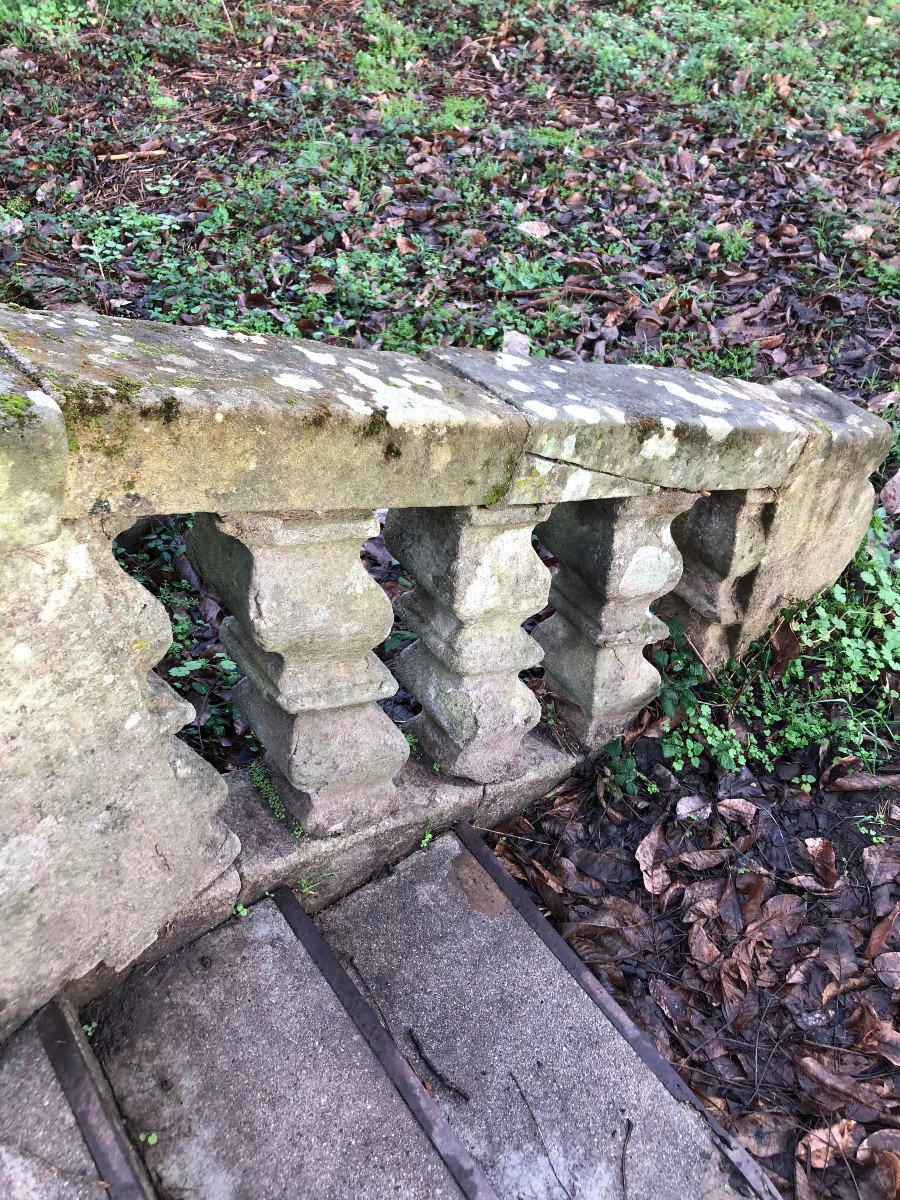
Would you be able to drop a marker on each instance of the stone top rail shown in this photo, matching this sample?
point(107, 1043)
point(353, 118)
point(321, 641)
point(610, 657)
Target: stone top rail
point(658, 492)
point(162, 419)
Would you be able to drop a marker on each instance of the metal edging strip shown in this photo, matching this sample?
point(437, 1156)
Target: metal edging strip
point(614, 1013)
point(464, 1169)
point(103, 1138)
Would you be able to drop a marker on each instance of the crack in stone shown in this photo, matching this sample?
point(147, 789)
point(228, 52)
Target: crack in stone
point(566, 462)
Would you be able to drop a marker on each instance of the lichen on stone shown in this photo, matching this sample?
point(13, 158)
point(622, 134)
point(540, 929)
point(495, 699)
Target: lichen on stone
point(16, 410)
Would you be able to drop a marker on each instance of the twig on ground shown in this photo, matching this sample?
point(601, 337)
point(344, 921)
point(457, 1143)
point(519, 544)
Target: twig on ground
point(436, 1072)
point(628, 1129)
point(525, 1101)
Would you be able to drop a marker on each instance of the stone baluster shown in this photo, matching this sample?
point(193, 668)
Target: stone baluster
point(478, 577)
point(615, 557)
point(306, 615)
point(723, 541)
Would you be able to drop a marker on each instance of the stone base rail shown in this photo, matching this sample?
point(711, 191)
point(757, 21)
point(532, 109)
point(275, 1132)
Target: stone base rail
point(726, 498)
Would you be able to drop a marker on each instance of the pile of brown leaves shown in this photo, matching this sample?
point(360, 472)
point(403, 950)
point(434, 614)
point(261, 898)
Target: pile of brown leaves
point(754, 932)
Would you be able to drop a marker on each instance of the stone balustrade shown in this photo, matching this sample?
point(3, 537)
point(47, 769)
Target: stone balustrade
point(721, 499)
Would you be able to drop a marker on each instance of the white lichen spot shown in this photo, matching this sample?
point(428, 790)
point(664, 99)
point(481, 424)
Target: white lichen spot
point(717, 427)
point(661, 445)
point(540, 409)
point(183, 393)
point(648, 572)
point(362, 362)
point(297, 383)
point(579, 484)
point(556, 369)
point(518, 386)
point(641, 379)
point(40, 399)
point(568, 446)
point(20, 654)
point(220, 416)
point(133, 720)
point(616, 413)
point(424, 381)
point(675, 389)
point(401, 404)
point(355, 404)
point(551, 384)
point(86, 322)
point(780, 421)
point(167, 371)
point(510, 362)
point(205, 331)
point(180, 360)
point(238, 354)
point(323, 357)
point(121, 337)
point(581, 412)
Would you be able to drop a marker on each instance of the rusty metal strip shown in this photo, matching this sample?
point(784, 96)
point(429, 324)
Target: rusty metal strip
point(465, 1170)
point(105, 1140)
point(617, 1017)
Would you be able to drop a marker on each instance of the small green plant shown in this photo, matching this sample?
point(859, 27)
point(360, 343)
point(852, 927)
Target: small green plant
point(805, 783)
point(262, 781)
point(623, 776)
point(436, 767)
point(427, 838)
point(241, 910)
point(872, 825)
point(411, 739)
point(309, 885)
point(90, 1029)
point(148, 1139)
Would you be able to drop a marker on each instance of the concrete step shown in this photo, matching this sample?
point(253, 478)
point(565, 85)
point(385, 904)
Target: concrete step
point(549, 1097)
point(237, 1059)
point(459, 1051)
point(42, 1153)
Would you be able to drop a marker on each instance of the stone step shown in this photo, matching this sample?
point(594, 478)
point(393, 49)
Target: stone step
point(236, 1058)
point(466, 1058)
point(548, 1096)
point(42, 1153)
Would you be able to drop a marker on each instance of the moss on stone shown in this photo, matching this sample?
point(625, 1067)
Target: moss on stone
point(496, 493)
point(647, 427)
point(17, 409)
point(374, 425)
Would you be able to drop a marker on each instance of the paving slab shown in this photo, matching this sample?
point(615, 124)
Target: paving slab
point(42, 1153)
point(549, 1098)
point(237, 1055)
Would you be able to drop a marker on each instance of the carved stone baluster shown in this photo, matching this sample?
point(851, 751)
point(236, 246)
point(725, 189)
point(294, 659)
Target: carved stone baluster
point(306, 615)
point(477, 578)
point(615, 557)
point(723, 541)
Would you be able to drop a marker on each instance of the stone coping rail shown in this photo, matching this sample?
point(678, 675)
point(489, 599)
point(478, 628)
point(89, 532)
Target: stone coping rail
point(713, 500)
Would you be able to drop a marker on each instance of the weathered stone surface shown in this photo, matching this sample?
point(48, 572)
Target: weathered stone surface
point(42, 1153)
point(478, 578)
point(106, 822)
point(107, 827)
point(170, 419)
point(635, 426)
point(239, 1055)
point(615, 557)
point(748, 554)
point(32, 462)
point(212, 907)
point(445, 955)
point(322, 870)
point(543, 764)
point(306, 615)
